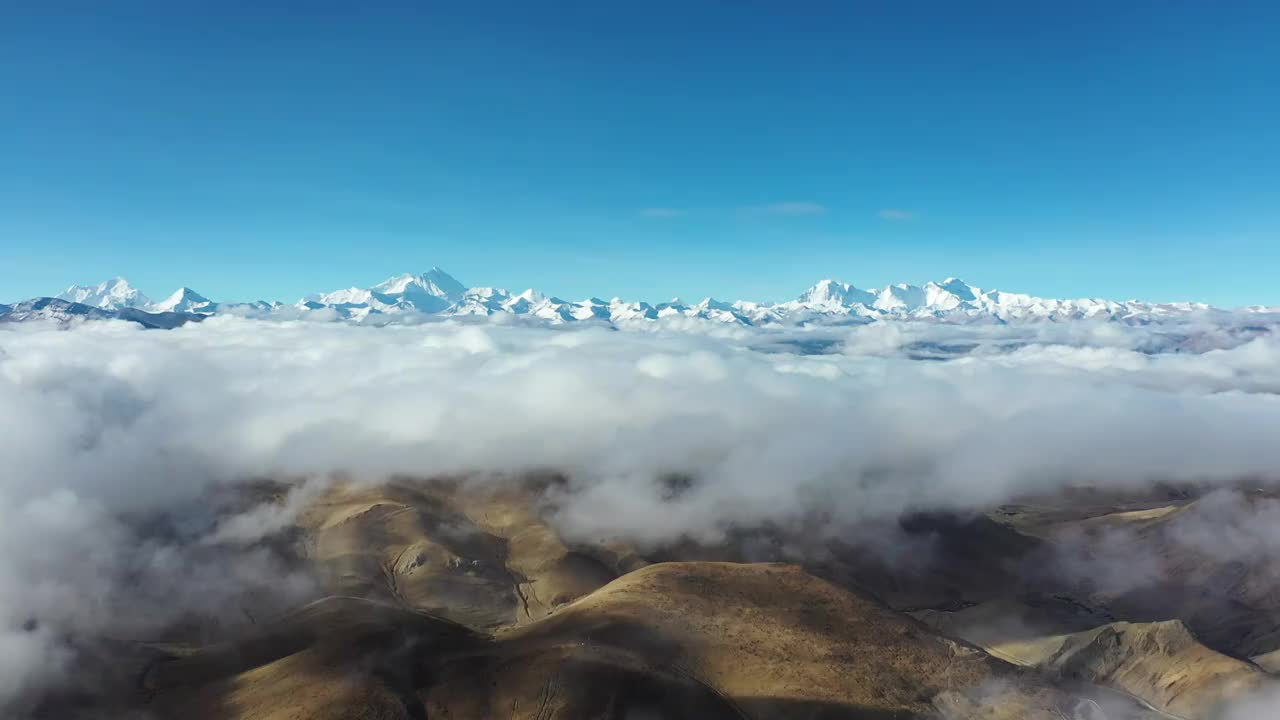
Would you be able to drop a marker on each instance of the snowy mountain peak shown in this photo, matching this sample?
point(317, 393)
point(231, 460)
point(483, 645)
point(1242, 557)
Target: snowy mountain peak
point(948, 294)
point(396, 284)
point(433, 283)
point(184, 300)
point(833, 292)
point(900, 296)
point(444, 283)
point(959, 288)
point(710, 303)
point(113, 294)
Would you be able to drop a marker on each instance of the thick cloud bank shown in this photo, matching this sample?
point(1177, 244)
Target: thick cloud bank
point(106, 427)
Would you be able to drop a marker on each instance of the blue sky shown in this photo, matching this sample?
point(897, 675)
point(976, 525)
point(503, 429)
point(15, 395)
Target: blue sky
point(740, 149)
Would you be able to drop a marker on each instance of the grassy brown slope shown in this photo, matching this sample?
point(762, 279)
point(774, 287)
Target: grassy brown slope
point(1159, 662)
point(335, 658)
point(781, 643)
point(483, 559)
point(1162, 663)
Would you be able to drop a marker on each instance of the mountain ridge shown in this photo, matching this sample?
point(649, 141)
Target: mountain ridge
point(829, 301)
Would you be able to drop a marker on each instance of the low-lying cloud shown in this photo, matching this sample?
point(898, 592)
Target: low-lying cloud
point(105, 423)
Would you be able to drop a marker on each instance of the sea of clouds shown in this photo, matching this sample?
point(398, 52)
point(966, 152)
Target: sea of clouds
point(113, 437)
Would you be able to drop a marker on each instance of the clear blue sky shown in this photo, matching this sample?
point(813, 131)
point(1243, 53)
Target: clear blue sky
point(741, 149)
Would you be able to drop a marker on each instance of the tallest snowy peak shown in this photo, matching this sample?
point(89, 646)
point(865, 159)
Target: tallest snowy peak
point(434, 282)
point(958, 287)
point(444, 282)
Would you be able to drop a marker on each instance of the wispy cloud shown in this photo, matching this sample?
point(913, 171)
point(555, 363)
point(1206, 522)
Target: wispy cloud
point(663, 212)
point(790, 208)
point(795, 209)
point(894, 214)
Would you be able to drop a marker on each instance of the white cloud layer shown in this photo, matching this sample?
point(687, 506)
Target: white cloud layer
point(1264, 705)
point(106, 423)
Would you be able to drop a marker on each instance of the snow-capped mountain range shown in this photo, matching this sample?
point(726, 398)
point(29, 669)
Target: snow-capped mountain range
point(436, 293)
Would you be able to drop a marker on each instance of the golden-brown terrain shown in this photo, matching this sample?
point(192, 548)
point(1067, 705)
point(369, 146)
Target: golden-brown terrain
point(445, 599)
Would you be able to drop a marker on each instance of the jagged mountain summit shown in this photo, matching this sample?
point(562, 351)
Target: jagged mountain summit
point(113, 294)
point(436, 293)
